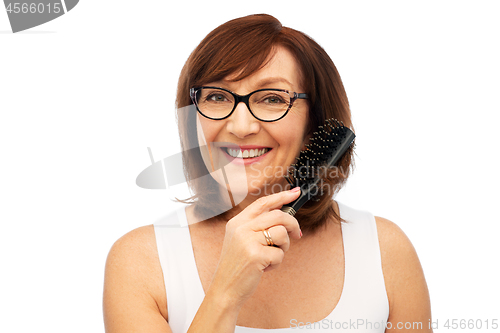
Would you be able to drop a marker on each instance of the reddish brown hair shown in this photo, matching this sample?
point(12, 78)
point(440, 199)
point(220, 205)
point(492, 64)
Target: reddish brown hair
point(243, 46)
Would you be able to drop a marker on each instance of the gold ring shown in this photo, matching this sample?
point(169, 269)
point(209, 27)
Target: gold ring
point(269, 240)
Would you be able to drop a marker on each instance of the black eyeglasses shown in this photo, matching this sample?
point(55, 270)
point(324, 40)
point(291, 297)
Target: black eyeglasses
point(264, 104)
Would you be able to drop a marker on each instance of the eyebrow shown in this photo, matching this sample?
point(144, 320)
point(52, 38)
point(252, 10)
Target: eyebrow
point(262, 83)
point(270, 80)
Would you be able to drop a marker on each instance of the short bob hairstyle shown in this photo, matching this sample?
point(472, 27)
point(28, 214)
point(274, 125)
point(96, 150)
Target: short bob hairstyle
point(241, 47)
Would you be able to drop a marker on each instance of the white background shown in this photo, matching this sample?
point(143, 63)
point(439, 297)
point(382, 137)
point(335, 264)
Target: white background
point(83, 96)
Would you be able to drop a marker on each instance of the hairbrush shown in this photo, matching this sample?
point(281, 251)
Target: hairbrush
point(327, 145)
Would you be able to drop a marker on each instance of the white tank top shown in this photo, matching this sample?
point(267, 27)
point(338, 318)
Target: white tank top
point(363, 305)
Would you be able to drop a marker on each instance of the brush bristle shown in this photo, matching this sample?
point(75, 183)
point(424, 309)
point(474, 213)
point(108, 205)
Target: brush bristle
point(324, 143)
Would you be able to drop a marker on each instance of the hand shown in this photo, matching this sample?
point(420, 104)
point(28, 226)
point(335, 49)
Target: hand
point(245, 254)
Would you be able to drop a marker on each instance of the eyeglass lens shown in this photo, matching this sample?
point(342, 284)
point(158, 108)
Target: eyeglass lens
point(265, 104)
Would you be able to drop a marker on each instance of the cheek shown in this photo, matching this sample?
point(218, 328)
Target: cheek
point(296, 133)
point(208, 130)
point(203, 130)
point(304, 133)
point(206, 133)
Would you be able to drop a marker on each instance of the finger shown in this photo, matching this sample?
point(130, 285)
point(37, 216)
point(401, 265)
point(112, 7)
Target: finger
point(277, 217)
point(279, 237)
point(274, 201)
point(273, 258)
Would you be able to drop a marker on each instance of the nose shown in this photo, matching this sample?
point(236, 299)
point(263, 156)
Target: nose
point(242, 123)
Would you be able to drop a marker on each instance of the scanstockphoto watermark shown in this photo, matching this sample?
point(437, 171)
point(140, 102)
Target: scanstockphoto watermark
point(448, 324)
point(169, 171)
point(24, 15)
point(319, 173)
point(357, 324)
point(303, 171)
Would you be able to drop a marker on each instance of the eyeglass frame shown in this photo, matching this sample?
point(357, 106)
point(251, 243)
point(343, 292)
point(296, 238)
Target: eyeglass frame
point(246, 99)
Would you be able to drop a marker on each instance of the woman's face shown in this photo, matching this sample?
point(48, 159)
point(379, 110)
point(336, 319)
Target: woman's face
point(281, 140)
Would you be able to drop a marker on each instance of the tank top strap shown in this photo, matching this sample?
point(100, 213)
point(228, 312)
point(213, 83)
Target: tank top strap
point(183, 287)
point(364, 280)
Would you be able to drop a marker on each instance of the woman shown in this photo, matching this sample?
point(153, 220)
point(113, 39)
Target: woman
point(220, 274)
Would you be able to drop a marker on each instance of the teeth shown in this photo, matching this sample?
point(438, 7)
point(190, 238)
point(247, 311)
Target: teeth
point(247, 153)
point(235, 153)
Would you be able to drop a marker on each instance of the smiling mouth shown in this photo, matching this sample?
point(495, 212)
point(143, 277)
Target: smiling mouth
point(245, 153)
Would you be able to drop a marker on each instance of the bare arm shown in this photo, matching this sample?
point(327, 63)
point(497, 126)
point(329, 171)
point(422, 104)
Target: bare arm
point(215, 315)
point(133, 287)
point(407, 291)
point(129, 301)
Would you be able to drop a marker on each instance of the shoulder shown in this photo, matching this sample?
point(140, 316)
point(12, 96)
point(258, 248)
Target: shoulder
point(133, 273)
point(404, 278)
point(392, 239)
point(141, 236)
point(136, 248)
point(397, 252)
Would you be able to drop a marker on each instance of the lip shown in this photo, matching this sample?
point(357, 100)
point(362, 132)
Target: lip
point(252, 147)
point(245, 161)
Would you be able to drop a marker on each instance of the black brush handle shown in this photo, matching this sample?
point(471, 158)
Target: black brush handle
point(292, 207)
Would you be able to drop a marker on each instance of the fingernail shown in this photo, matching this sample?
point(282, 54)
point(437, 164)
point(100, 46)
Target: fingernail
point(296, 189)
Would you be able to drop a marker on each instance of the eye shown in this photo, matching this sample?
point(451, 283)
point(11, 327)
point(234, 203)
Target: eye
point(273, 99)
point(217, 98)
